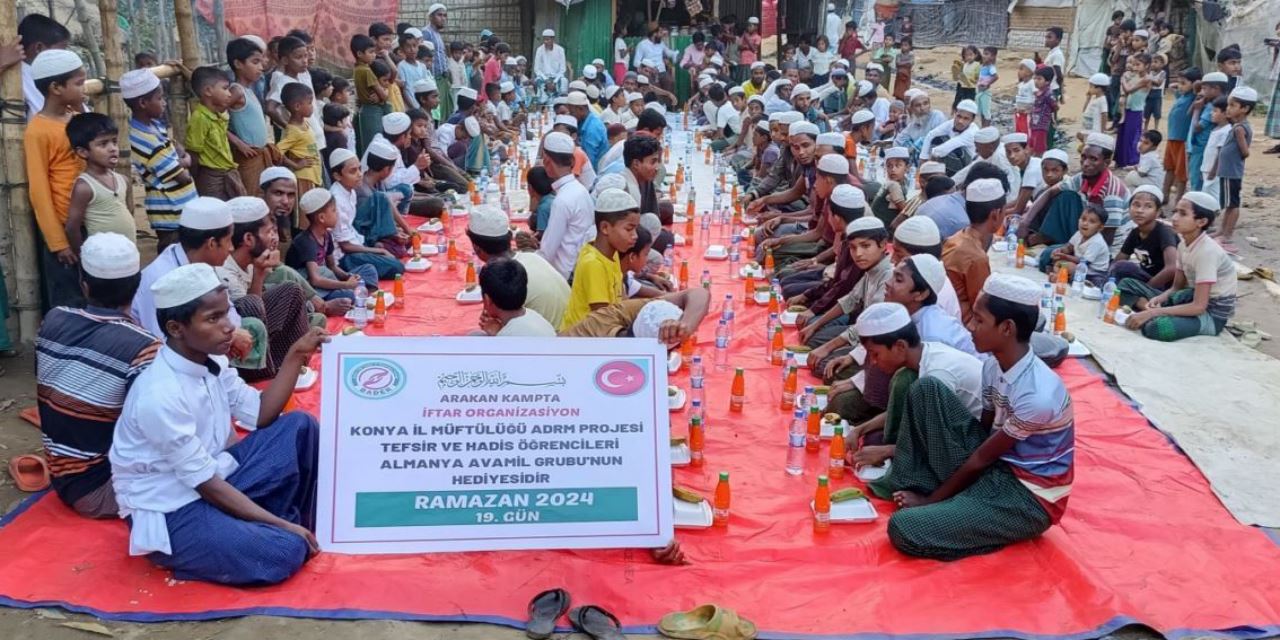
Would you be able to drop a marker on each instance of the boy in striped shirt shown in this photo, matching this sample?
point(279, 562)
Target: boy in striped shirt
point(157, 160)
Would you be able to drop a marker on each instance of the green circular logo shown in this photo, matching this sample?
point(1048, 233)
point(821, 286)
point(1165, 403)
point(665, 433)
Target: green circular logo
point(375, 379)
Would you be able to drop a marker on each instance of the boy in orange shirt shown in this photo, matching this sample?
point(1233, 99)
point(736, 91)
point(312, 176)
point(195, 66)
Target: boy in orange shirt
point(52, 169)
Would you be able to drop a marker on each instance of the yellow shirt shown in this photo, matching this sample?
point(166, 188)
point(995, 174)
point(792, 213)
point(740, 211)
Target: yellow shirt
point(596, 280)
point(298, 143)
point(207, 138)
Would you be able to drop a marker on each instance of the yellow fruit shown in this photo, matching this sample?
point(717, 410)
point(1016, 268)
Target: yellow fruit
point(346, 331)
point(675, 442)
point(687, 495)
point(845, 495)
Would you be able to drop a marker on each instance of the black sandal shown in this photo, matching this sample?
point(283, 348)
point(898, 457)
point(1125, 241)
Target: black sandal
point(544, 609)
point(596, 623)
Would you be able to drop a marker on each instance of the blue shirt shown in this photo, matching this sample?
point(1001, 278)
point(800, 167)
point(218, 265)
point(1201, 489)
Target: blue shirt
point(936, 325)
point(1180, 116)
point(1199, 140)
point(439, 61)
point(543, 214)
point(593, 137)
point(947, 212)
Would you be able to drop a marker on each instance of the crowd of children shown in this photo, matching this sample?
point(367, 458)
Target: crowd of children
point(288, 199)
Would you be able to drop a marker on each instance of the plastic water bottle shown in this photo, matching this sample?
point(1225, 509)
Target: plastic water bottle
point(1108, 290)
point(726, 313)
point(805, 401)
point(735, 256)
point(1077, 281)
point(667, 258)
point(695, 411)
point(360, 314)
point(704, 233)
point(442, 244)
point(1011, 240)
point(696, 374)
point(722, 346)
point(773, 322)
point(795, 444)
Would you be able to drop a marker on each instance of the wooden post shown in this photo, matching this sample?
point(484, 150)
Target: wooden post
point(114, 54)
point(189, 45)
point(86, 32)
point(17, 230)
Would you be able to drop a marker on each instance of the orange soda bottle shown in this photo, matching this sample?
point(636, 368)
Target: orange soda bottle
point(397, 290)
point(416, 238)
point(1060, 320)
point(673, 191)
point(444, 220)
point(680, 173)
point(749, 287)
point(1113, 305)
point(734, 193)
point(688, 225)
point(470, 278)
point(379, 310)
point(836, 468)
point(1021, 259)
point(452, 254)
point(707, 156)
point(684, 274)
point(722, 182)
point(696, 442)
point(773, 302)
point(738, 391)
point(822, 506)
point(720, 505)
point(768, 262)
point(813, 431)
point(1061, 286)
point(686, 351)
point(789, 391)
point(775, 348)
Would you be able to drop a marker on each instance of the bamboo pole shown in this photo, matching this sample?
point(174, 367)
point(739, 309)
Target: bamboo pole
point(189, 45)
point(113, 53)
point(17, 233)
point(96, 87)
point(86, 32)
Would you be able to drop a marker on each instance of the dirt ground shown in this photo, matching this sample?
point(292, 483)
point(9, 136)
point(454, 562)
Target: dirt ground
point(1258, 239)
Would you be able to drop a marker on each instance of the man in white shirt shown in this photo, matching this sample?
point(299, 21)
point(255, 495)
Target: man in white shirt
point(572, 222)
point(504, 286)
point(952, 141)
point(1027, 166)
point(549, 63)
point(834, 27)
point(196, 503)
point(988, 148)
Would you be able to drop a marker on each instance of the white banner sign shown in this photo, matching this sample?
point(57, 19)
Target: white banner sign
point(462, 444)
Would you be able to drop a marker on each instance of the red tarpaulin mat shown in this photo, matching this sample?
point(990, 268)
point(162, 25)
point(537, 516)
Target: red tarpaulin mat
point(1143, 541)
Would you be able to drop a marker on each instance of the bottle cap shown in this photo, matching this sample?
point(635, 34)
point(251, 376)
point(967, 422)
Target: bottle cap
point(813, 409)
point(724, 476)
point(822, 480)
point(738, 370)
point(839, 431)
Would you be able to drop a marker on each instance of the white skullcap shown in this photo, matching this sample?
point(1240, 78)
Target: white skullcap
point(865, 223)
point(839, 73)
point(557, 142)
point(611, 181)
point(1102, 140)
point(848, 196)
point(1216, 76)
point(642, 79)
point(831, 138)
point(633, 96)
point(589, 72)
point(801, 128)
point(521, 59)
point(736, 90)
point(987, 135)
point(314, 200)
point(425, 85)
point(753, 20)
point(1031, 64)
point(781, 82)
point(1015, 289)
point(931, 269)
point(763, 125)
point(655, 63)
point(434, 8)
point(865, 87)
point(429, 45)
point(184, 284)
point(775, 116)
point(247, 209)
point(650, 221)
point(1142, 33)
point(271, 174)
point(1244, 94)
point(968, 105)
point(704, 82)
point(566, 120)
point(717, 60)
point(790, 117)
point(382, 149)
point(611, 91)
point(875, 66)
point(1100, 80)
point(1202, 199)
point(109, 256)
point(652, 316)
point(396, 123)
point(657, 106)
point(548, 33)
point(262, 44)
point(984, 190)
point(615, 200)
point(842, 61)
point(1014, 138)
point(340, 156)
point(468, 93)
point(488, 221)
point(472, 126)
point(413, 31)
point(913, 93)
point(862, 116)
point(54, 62)
point(799, 89)
point(918, 231)
point(932, 168)
point(137, 83)
point(205, 214)
point(599, 61)
point(833, 163)
point(593, 91)
point(758, 64)
point(506, 87)
point(1151, 191)
point(881, 318)
point(897, 153)
point(831, 6)
point(1056, 154)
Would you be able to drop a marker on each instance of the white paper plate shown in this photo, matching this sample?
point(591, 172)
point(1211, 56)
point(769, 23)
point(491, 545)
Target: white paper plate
point(469, 297)
point(827, 429)
point(1091, 292)
point(822, 399)
point(417, 265)
point(681, 456)
point(520, 216)
point(851, 511)
point(867, 473)
point(681, 241)
point(750, 221)
point(674, 360)
point(306, 379)
point(431, 226)
point(679, 219)
point(716, 252)
point(789, 318)
point(692, 516)
point(761, 298)
point(430, 249)
point(350, 315)
point(459, 213)
point(746, 270)
point(802, 359)
point(1122, 317)
point(1000, 246)
point(676, 402)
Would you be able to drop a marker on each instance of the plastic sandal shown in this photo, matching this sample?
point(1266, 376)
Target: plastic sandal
point(30, 472)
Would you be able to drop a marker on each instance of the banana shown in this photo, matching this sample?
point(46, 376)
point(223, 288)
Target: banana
point(687, 495)
point(346, 331)
point(845, 495)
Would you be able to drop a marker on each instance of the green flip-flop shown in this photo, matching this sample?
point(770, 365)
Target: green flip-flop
point(707, 622)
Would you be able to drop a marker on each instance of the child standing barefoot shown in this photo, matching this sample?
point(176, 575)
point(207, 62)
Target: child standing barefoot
point(1134, 86)
point(987, 76)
